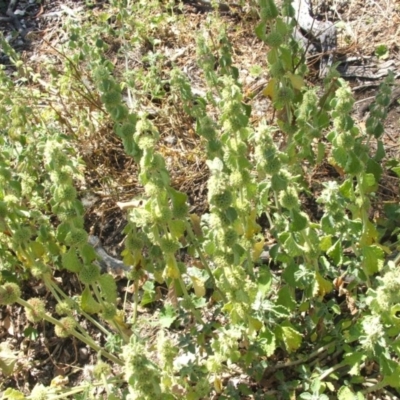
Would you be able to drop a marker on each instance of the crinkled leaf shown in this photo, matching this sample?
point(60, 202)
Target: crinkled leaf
point(177, 228)
point(167, 316)
point(88, 303)
point(325, 242)
point(271, 89)
point(354, 360)
point(268, 342)
point(299, 221)
point(396, 170)
point(258, 248)
point(344, 393)
point(291, 338)
point(260, 30)
point(13, 394)
point(285, 298)
point(198, 286)
point(335, 252)
point(252, 226)
point(37, 249)
point(254, 324)
point(292, 248)
point(297, 81)
point(321, 286)
point(280, 311)
point(373, 259)
point(346, 189)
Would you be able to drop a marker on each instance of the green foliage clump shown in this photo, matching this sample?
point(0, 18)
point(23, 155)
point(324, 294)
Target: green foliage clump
point(249, 296)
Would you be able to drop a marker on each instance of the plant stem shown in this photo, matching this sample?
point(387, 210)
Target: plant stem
point(83, 338)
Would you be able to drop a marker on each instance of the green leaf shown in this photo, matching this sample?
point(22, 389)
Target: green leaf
point(280, 311)
point(292, 248)
point(13, 394)
point(88, 303)
point(335, 252)
point(178, 198)
point(346, 189)
point(8, 359)
point(267, 340)
point(382, 51)
point(344, 393)
point(380, 152)
point(285, 298)
point(149, 294)
point(167, 316)
point(31, 333)
point(291, 338)
point(215, 165)
point(391, 371)
point(264, 280)
point(396, 170)
point(260, 30)
point(177, 228)
point(299, 220)
point(37, 249)
point(373, 259)
point(281, 26)
point(354, 360)
point(321, 285)
point(325, 242)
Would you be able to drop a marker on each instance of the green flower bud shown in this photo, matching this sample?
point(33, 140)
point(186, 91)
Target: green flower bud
point(222, 200)
point(101, 369)
point(64, 307)
point(279, 182)
point(76, 237)
point(38, 310)
point(169, 246)
point(162, 215)
point(272, 165)
point(133, 242)
point(9, 293)
point(111, 98)
point(284, 95)
point(274, 39)
point(62, 176)
point(39, 269)
point(213, 146)
point(230, 237)
point(128, 129)
point(289, 198)
point(67, 326)
point(109, 311)
point(119, 112)
point(65, 193)
point(22, 235)
point(277, 70)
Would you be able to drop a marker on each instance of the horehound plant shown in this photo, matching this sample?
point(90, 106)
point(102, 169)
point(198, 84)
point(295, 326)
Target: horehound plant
point(258, 311)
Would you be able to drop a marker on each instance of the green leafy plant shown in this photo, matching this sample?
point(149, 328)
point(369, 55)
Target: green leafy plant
point(324, 307)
